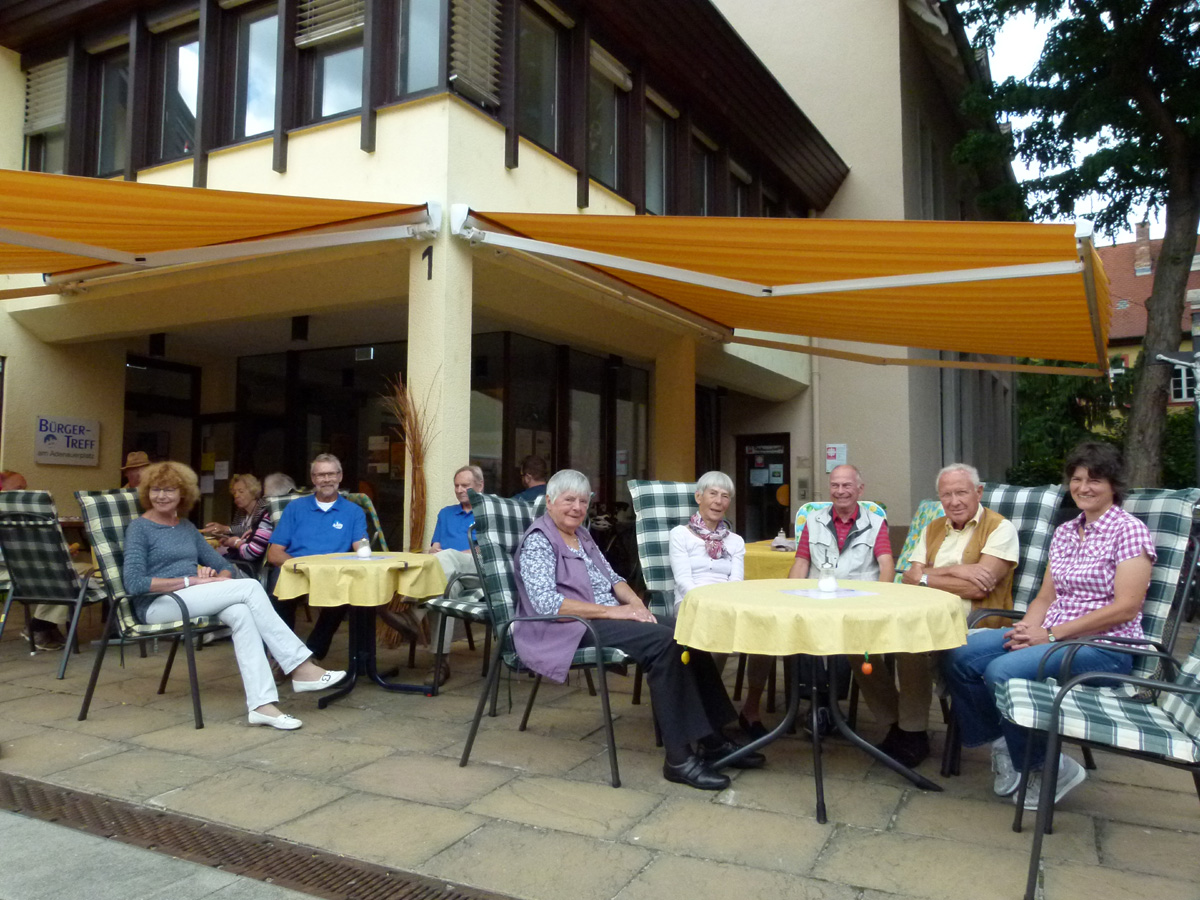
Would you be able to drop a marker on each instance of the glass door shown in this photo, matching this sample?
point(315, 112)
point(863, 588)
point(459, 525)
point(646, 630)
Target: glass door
point(763, 479)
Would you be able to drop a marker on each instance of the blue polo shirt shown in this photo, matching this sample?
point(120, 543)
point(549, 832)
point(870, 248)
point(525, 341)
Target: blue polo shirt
point(452, 526)
point(530, 493)
point(305, 529)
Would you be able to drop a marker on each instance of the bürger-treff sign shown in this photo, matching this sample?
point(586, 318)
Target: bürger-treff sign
point(67, 442)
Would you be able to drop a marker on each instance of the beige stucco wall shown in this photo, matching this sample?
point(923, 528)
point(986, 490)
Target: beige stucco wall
point(72, 382)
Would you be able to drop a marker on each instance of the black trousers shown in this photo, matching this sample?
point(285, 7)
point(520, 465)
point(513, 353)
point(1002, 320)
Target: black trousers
point(328, 621)
point(689, 700)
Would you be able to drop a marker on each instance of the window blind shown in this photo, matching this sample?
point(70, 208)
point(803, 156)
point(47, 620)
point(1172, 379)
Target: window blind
point(46, 96)
point(318, 21)
point(475, 49)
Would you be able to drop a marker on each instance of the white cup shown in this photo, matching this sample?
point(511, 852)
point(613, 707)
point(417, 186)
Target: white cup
point(364, 551)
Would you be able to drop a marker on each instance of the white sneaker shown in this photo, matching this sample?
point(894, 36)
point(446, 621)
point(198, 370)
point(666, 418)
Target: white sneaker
point(1070, 775)
point(1007, 778)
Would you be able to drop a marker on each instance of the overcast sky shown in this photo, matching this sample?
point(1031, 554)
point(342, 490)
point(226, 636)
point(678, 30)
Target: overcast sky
point(1018, 47)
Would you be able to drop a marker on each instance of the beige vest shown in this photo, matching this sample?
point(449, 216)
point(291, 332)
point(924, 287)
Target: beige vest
point(1001, 595)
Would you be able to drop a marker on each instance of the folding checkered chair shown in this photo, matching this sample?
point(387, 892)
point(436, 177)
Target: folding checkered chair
point(659, 506)
point(39, 564)
point(1153, 713)
point(499, 527)
point(463, 599)
point(1032, 511)
point(106, 515)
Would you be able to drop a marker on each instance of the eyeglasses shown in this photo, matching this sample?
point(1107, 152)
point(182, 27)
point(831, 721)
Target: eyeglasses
point(163, 490)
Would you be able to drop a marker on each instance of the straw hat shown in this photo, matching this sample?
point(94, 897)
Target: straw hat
point(136, 460)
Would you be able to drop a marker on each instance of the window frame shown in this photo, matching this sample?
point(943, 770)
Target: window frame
point(311, 82)
point(99, 64)
point(230, 84)
point(1183, 384)
point(621, 149)
point(562, 113)
point(162, 46)
point(399, 18)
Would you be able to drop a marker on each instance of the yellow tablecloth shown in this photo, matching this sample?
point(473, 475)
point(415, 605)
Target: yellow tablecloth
point(763, 562)
point(340, 579)
point(762, 617)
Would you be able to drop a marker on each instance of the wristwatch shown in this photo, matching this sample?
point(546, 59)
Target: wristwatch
point(924, 582)
point(1050, 638)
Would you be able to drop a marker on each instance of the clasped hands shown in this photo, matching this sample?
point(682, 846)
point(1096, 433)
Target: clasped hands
point(205, 574)
point(977, 574)
point(1024, 635)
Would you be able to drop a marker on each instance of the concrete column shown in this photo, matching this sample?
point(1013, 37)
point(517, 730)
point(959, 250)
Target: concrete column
point(439, 362)
point(673, 454)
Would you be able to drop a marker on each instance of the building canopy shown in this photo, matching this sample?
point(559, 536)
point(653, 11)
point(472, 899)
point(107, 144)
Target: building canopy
point(59, 224)
point(993, 288)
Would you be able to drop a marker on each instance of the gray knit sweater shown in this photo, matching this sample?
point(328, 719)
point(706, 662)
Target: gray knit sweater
point(162, 551)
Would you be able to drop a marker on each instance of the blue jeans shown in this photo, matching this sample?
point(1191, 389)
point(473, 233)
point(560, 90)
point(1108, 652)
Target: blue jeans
point(973, 670)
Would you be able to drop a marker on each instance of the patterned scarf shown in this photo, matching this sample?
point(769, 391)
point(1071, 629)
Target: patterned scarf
point(714, 540)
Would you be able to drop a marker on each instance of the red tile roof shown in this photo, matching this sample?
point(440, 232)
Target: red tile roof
point(1129, 291)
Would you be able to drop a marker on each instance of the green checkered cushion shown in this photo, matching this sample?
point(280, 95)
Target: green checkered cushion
point(1103, 715)
point(927, 511)
point(499, 526)
point(276, 506)
point(377, 539)
point(1031, 510)
point(106, 515)
point(1184, 709)
point(659, 507)
point(473, 610)
point(807, 509)
point(36, 553)
point(1168, 515)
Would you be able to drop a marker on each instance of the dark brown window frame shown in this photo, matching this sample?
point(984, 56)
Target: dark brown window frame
point(160, 46)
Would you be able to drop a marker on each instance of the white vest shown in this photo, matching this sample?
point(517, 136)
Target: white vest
point(856, 561)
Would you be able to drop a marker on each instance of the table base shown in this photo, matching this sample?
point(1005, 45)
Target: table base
point(363, 660)
point(792, 670)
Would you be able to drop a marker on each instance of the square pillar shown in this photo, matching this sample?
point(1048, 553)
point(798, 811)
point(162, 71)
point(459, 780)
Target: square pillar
point(673, 456)
point(439, 363)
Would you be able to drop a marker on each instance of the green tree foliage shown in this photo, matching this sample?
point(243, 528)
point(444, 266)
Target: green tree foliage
point(1114, 112)
point(1056, 412)
point(1179, 450)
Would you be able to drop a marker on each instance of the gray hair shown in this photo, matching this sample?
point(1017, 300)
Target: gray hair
point(714, 479)
point(326, 458)
point(970, 471)
point(476, 473)
point(277, 484)
point(566, 480)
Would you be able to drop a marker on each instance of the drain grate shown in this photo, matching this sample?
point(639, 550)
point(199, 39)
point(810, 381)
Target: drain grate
point(269, 859)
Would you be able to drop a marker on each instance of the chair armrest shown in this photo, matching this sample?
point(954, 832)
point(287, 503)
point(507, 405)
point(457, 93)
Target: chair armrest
point(1071, 647)
point(1152, 684)
point(470, 581)
point(585, 622)
point(977, 615)
point(244, 566)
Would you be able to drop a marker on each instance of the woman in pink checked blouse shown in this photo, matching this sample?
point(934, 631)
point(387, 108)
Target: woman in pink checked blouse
point(1095, 585)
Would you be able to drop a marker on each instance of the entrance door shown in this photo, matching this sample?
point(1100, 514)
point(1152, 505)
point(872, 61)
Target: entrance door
point(215, 463)
point(763, 479)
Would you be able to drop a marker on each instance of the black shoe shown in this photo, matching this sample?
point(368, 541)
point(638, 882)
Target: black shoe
point(911, 748)
point(824, 722)
point(891, 742)
point(696, 773)
point(753, 730)
point(714, 750)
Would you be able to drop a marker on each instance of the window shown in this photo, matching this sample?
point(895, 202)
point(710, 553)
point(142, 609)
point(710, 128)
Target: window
point(113, 137)
point(329, 32)
point(703, 171)
point(255, 66)
point(46, 116)
point(539, 79)
point(1183, 385)
point(1117, 366)
point(420, 45)
point(658, 159)
point(179, 68)
point(739, 190)
point(608, 82)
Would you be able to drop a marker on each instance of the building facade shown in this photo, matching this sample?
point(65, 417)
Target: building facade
point(661, 107)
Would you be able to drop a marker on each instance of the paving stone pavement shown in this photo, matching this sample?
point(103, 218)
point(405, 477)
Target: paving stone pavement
point(376, 777)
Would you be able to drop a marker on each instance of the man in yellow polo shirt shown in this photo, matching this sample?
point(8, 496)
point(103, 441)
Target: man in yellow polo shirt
point(970, 551)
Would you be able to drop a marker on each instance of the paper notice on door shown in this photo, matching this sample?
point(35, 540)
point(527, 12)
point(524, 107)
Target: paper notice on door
point(776, 473)
point(758, 477)
point(221, 470)
point(206, 484)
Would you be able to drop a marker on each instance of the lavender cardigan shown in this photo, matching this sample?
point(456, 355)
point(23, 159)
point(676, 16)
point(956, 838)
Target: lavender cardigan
point(547, 647)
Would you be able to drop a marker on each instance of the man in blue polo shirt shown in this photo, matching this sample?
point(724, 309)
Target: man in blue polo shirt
point(323, 522)
point(452, 544)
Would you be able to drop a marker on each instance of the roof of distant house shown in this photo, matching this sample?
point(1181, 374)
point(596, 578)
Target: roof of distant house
point(1130, 290)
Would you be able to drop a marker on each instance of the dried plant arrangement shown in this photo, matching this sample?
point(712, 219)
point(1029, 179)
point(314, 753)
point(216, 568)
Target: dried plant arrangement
point(412, 415)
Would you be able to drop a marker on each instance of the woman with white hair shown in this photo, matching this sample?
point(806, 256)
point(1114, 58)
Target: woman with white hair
point(561, 572)
point(706, 551)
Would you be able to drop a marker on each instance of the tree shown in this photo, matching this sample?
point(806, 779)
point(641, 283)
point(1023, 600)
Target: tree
point(1115, 107)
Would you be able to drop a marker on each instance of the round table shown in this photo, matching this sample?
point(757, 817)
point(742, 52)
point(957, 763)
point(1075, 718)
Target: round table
point(361, 583)
point(762, 562)
point(787, 617)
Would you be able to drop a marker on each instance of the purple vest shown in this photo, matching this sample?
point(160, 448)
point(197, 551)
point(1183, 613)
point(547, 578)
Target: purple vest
point(547, 647)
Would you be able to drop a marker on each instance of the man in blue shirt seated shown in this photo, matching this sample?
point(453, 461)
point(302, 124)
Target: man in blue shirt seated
point(322, 522)
point(534, 473)
point(452, 544)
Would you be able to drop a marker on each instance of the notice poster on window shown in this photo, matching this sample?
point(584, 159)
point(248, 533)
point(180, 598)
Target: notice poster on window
point(379, 450)
point(206, 484)
point(221, 470)
point(622, 464)
point(758, 477)
point(776, 470)
point(835, 455)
